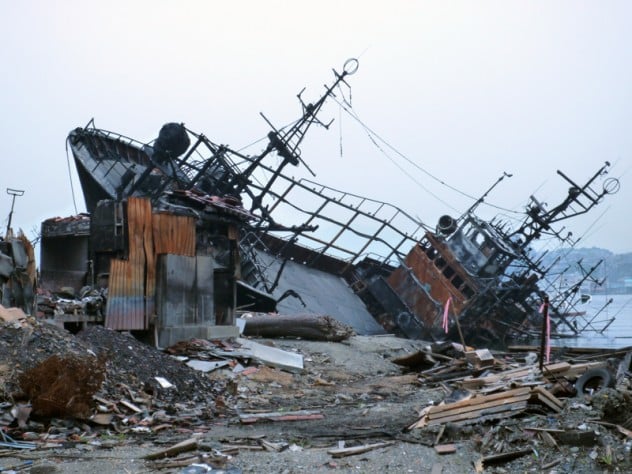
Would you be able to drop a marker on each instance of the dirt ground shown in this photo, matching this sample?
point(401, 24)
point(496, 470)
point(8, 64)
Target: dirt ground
point(351, 393)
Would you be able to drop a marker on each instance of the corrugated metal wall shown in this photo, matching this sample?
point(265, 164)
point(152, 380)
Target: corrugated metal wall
point(185, 290)
point(126, 286)
point(170, 235)
point(132, 282)
point(174, 234)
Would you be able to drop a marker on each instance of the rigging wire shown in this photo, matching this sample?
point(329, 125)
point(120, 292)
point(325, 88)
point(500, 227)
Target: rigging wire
point(597, 219)
point(372, 133)
point(409, 175)
point(622, 307)
point(72, 188)
point(340, 129)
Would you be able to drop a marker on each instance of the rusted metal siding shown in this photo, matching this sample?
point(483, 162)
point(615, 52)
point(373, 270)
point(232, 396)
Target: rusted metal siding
point(170, 234)
point(126, 288)
point(173, 234)
point(132, 282)
point(423, 285)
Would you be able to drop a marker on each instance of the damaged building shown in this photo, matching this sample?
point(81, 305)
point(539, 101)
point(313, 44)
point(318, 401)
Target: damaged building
point(18, 275)
point(182, 234)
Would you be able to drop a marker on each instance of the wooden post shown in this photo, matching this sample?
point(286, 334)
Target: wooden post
point(458, 327)
point(545, 316)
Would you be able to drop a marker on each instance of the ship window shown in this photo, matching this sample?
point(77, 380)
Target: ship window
point(457, 281)
point(467, 291)
point(440, 263)
point(479, 239)
point(448, 272)
point(431, 252)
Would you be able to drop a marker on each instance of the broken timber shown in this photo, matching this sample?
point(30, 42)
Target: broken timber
point(559, 369)
point(247, 418)
point(341, 452)
point(487, 407)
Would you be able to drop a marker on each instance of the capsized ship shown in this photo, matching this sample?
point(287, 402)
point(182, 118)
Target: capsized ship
point(184, 233)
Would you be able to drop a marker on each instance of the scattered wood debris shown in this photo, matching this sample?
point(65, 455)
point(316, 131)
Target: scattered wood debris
point(248, 418)
point(486, 407)
point(501, 404)
point(352, 451)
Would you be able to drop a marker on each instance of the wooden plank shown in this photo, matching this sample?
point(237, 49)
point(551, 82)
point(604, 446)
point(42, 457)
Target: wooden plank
point(556, 368)
point(479, 406)
point(545, 401)
point(474, 416)
point(340, 452)
point(505, 457)
point(187, 445)
point(445, 448)
point(578, 369)
point(480, 399)
point(549, 397)
point(247, 418)
point(515, 374)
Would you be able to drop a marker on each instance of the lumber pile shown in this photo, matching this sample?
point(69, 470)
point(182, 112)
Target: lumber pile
point(528, 375)
point(481, 408)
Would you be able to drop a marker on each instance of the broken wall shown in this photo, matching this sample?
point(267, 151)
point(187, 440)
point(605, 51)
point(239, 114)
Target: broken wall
point(64, 253)
point(18, 273)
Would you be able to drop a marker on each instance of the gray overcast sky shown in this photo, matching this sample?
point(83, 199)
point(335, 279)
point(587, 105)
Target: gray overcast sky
point(466, 90)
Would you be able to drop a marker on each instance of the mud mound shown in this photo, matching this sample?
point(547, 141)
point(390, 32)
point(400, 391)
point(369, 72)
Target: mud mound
point(130, 368)
point(25, 345)
point(131, 363)
point(63, 386)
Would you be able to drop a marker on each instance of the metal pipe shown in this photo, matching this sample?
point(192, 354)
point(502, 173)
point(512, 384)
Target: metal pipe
point(14, 193)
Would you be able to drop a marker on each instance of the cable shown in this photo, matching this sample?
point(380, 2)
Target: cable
point(370, 132)
point(72, 188)
point(409, 175)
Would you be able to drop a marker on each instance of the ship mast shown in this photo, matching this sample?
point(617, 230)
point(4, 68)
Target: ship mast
point(580, 199)
point(286, 142)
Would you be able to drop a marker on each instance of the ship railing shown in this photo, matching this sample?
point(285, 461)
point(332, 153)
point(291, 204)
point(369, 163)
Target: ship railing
point(344, 225)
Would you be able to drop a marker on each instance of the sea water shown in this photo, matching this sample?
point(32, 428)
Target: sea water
point(618, 333)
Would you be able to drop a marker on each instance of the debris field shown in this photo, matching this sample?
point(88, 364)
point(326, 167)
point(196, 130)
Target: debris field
point(236, 403)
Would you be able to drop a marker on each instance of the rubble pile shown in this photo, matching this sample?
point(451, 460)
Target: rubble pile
point(141, 367)
point(26, 343)
point(98, 370)
point(89, 301)
point(572, 414)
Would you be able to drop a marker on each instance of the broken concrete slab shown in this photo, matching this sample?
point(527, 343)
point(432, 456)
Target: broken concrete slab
point(270, 355)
